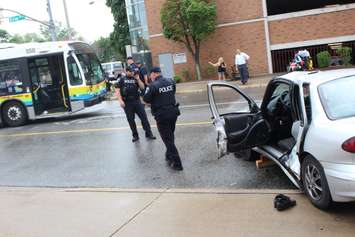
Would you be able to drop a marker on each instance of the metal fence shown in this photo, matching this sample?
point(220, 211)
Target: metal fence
point(281, 58)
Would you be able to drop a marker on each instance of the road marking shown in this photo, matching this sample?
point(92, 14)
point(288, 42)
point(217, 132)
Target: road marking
point(92, 130)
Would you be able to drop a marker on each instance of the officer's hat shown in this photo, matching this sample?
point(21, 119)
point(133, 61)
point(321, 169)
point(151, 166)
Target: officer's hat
point(156, 70)
point(129, 69)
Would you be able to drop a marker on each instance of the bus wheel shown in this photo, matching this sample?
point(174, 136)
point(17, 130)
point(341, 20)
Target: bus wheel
point(14, 114)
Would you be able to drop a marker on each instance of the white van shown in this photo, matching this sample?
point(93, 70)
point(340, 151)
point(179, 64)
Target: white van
point(113, 69)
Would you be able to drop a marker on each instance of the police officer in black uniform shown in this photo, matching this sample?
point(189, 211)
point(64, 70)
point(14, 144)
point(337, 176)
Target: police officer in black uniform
point(128, 96)
point(143, 74)
point(161, 95)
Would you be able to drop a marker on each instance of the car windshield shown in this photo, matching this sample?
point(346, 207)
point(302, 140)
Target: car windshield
point(92, 68)
point(338, 97)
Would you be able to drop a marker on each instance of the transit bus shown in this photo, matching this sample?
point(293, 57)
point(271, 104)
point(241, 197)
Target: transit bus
point(48, 79)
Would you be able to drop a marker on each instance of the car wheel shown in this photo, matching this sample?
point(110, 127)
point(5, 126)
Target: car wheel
point(14, 114)
point(248, 155)
point(315, 184)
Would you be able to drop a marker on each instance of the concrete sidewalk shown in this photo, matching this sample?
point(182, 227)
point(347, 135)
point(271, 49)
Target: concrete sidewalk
point(201, 86)
point(32, 212)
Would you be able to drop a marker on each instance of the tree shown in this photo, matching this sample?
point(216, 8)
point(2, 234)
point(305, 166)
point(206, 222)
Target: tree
point(61, 32)
point(120, 36)
point(105, 50)
point(189, 22)
point(26, 38)
point(4, 36)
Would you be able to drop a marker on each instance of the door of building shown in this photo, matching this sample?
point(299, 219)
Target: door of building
point(167, 65)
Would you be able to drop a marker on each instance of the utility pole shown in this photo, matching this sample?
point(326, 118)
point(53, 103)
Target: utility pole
point(67, 19)
point(51, 22)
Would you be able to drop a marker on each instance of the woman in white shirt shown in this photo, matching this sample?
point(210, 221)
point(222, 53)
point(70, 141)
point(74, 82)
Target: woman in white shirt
point(241, 61)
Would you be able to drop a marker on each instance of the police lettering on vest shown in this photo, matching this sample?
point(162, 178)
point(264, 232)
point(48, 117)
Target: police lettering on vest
point(166, 89)
point(129, 89)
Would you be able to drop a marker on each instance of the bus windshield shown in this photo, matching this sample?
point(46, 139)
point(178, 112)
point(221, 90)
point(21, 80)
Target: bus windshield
point(89, 62)
point(92, 68)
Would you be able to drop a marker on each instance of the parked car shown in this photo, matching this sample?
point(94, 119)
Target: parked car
point(306, 125)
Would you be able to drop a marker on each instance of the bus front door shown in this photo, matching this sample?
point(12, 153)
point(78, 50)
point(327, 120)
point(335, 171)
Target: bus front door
point(49, 84)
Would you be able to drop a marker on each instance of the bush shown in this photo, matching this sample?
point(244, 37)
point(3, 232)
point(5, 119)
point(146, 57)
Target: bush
point(210, 70)
point(323, 59)
point(186, 75)
point(345, 54)
point(177, 79)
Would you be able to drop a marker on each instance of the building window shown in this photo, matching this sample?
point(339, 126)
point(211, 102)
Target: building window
point(275, 7)
point(138, 28)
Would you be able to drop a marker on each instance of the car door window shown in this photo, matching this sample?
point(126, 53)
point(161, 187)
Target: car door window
point(228, 101)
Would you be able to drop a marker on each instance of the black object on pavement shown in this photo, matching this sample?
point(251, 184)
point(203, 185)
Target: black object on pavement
point(282, 202)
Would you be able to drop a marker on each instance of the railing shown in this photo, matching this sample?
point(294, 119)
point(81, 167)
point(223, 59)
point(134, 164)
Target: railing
point(281, 58)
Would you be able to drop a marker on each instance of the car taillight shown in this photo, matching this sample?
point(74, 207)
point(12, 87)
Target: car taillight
point(349, 145)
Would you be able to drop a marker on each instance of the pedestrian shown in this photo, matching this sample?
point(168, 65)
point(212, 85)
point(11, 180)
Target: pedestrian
point(241, 62)
point(143, 74)
point(161, 95)
point(129, 99)
point(221, 68)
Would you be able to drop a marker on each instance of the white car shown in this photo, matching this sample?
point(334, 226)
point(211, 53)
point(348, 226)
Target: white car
point(306, 124)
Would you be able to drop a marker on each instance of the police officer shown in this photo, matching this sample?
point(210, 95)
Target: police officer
point(132, 65)
point(143, 74)
point(128, 96)
point(161, 95)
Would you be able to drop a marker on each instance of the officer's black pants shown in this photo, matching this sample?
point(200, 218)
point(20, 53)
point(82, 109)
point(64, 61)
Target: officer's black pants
point(166, 129)
point(244, 74)
point(136, 107)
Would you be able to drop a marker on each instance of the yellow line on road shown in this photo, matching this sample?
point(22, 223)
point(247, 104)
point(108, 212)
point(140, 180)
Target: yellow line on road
point(90, 130)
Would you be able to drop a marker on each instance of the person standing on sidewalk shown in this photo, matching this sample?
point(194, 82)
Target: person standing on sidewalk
point(221, 65)
point(129, 99)
point(161, 95)
point(241, 62)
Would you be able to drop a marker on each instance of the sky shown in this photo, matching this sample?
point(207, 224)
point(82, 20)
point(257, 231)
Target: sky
point(91, 21)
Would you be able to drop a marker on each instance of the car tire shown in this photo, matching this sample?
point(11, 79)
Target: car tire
point(14, 114)
point(315, 183)
point(248, 155)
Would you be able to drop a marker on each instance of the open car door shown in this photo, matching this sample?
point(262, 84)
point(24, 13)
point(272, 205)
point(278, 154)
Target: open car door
point(237, 119)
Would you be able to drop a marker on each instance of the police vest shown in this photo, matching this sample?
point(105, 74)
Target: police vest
point(164, 97)
point(129, 89)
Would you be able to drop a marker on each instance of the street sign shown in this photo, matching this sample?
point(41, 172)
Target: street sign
point(16, 18)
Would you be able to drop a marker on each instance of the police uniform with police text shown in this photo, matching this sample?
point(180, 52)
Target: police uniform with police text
point(161, 95)
point(129, 90)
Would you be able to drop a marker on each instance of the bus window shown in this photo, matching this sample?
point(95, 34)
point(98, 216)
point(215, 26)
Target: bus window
point(74, 72)
point(91, 67)
point(10, 78)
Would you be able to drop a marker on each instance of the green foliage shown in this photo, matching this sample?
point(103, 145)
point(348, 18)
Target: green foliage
point(26, 38)
point(120, 37)
point(346, 54)
point(61, 32)
point(105, 50)
point(323, 59)
point(186, 75)
point(192, 18)
point(177, 79)
point(210, 70)
point(4, 36)
point(189, 22)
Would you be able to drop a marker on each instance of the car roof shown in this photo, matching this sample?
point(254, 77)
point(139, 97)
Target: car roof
point(317, 77)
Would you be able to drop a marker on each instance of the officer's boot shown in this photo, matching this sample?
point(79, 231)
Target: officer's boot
point(175, 164)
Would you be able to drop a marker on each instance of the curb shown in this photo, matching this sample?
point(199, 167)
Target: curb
point(203, 90)
point(151, 190)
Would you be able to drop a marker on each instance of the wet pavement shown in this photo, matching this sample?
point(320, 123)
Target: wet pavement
point(94, 149)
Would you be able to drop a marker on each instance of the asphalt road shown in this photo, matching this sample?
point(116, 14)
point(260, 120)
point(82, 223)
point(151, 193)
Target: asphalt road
point(94, 149)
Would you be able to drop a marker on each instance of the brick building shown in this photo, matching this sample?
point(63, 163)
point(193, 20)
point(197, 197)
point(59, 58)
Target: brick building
point(268, 30)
